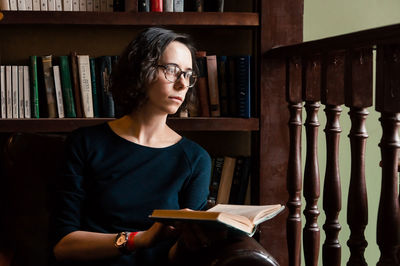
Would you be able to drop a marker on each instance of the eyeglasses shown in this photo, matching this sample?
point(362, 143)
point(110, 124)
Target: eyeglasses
point(173, 73)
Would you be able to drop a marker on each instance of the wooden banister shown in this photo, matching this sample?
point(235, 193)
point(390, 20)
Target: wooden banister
point(338, 71)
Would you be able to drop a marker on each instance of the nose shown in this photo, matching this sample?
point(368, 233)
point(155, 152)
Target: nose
point(181, 83)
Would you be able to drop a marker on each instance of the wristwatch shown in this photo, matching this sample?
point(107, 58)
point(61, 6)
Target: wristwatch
point(121, 241)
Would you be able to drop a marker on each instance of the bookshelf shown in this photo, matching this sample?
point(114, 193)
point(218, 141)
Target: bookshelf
point(248, 27)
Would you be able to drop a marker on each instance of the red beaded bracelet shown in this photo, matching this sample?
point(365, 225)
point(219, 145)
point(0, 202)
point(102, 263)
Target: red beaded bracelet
point(130, 244)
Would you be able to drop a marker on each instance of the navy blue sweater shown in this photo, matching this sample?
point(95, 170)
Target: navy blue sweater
point(111, 185)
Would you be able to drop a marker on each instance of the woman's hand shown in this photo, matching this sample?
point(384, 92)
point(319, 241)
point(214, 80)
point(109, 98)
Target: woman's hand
point(156, 233)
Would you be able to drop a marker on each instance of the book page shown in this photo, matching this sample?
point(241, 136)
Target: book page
point(254, 213)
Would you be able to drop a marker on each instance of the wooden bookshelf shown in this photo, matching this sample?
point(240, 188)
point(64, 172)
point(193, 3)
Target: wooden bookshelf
point(225, 19)
point(180, 124)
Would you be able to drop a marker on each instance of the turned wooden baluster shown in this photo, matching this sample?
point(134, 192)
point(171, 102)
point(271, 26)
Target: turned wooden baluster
point(332, 95)
point(294, 185)
point(358, 97)
point(388, 103)
point(311, 191)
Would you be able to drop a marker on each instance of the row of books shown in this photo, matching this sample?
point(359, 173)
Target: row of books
point(180, 5)
point(63, 5)
point(223, 87)
point(67, 86)
point(230, 180)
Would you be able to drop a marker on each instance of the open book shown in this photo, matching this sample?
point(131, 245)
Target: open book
point(244, 218)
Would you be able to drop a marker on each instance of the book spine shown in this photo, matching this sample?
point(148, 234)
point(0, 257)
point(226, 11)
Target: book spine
point(51, 5)
point(222, 85)
point(225, 184)
point(21, 111)
point(110, 5)
point(29, 5)
point(89, 5)
point(103, 5)
point(82, 5)
point(34, 87)
point(49, 86)
point(178, 5)
point(9, 91)
point(27, 93)
point(3, 92)
point(107, 101)
point(144, 5)
point(156, 5)
point(14, 91)
point(59, 5)
point(75, 5)
point(66, 85)
point(67, 5)
point(213, 85)
point(231, 85)
point(13, 5)
point(243, 83)
point(168, 5)
point(36, 5)
point(96, 5)
point(58, 90)
point(199, 5)
point(4, 5)
point(21, 5)
point(218, 163)
point(75, 83)
point(43, 5)
point(94, 87)
point(85, 84)
point(202, 87)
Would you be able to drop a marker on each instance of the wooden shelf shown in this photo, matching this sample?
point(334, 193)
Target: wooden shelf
point(225, 19)
point(179, 124)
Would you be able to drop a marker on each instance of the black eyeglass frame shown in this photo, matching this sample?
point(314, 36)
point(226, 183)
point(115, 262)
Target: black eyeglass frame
point(179, 74)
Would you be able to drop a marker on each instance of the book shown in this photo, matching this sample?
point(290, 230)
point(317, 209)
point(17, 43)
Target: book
point(75, 5)
point(21, 111)
point(217, 164)
point(178, 5)
point(89, 5)
point(243, 85)
point(29, 5)
point(13, 5)
point(240, 180)
point(59, 5)
point(66, 85)
point(3, 112)
point(82, 5)
point(34, 85)
point(240, 218)
point(106, 99)
point(14, 91)
point(85, 83)
point(213, 90)
point(202, 86)
point(231, 86)
point(168, 5)
point(95, 96)
point(214, 5)
point(144, 5)
point(156, 5)
point(110, 5)
point(9, 92)
point(51, 5)
point(75, 84)
point(27, 93)
point(67, 5)
point(58, 90)
point(222, 65)
point(4, 5)
point(36, 5)
point(21, 4)
point(43, 5)
point(49, 86)
point(225, 183)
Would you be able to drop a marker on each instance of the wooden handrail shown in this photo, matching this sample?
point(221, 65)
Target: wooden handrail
point(358, 39)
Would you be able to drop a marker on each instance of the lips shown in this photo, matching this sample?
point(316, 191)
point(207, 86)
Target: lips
point(176, 98)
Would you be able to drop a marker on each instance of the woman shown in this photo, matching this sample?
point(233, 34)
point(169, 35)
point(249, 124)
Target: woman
point(118, 172)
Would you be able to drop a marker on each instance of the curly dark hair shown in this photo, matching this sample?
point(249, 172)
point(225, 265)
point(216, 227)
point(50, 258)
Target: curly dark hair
point(137, 68)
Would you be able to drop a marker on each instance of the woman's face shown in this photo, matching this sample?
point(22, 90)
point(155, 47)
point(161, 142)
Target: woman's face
point(165, 96)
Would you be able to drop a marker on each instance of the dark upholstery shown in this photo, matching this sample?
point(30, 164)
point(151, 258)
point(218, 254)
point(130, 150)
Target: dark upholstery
point(29, 165)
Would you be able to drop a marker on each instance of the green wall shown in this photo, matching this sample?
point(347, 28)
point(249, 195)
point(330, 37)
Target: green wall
point(322, 19)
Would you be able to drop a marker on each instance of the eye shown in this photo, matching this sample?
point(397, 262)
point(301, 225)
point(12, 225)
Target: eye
point(171, 69)
point(188, 74)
